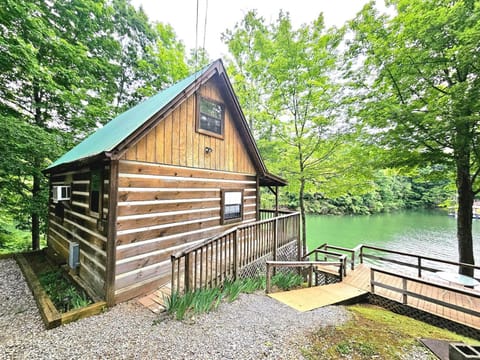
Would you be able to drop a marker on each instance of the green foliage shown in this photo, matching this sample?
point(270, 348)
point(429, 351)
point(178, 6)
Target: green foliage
point(200, 301)
point(287, 280)
point(66, 67)
point(284, 78)
point(415, 76)
point(206, 300)
point(389, 192)
point(64, 295)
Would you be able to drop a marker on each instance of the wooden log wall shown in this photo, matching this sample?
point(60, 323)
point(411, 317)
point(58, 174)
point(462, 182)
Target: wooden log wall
point(174, 140)
point(163, 209)
point(78, 225)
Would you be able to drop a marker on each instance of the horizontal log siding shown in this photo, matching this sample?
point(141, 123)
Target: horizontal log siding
point(79, 226)
point(175, 141)
point(161, 210)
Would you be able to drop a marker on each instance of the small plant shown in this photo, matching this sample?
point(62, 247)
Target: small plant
point(206, 300)
point(287, 280)
point(250, 285)
point(63, 294)
point(231, 290)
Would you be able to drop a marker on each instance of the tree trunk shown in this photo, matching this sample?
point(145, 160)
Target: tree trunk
point(302, 216)
point(34, 215)
point(465, 202)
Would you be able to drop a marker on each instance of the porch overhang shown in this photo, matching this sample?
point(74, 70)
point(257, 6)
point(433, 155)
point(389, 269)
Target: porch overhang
point(268, 179)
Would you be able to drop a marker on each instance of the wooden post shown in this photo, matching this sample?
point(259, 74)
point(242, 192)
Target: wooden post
point(235, 254)
point(404, 293)
point(186, 275)
point(299, 240)
point(276, 201)
point(372, 279)
point(419, 267)
point(267, 281)
point(111, 234)
point(353, 260)
point(310, 276)
point(361, 254)
point(275, 242)
point(172, 259)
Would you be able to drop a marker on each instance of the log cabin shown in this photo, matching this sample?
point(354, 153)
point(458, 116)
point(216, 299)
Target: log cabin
point(169, 173)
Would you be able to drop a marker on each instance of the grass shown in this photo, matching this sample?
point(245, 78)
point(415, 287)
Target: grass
point(64, 295)
point(374, 333)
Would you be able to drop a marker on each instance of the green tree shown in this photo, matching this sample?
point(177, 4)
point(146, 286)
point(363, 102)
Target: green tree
point(284, 79)
point(66, 67)
point(420, 84)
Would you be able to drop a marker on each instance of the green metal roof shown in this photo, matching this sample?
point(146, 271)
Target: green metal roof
point(118, 129)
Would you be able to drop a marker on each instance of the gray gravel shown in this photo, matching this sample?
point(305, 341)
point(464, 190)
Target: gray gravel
point(252, 327)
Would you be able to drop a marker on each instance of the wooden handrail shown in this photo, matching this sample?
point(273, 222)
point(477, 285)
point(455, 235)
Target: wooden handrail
point(406, 293)
point(449, 262)
point(212, 261)
point(309, 264)
point(229, 231)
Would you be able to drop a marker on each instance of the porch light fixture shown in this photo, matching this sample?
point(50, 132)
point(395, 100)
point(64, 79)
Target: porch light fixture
point(208, 150)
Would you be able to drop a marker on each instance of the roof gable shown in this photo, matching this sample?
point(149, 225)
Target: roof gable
point(123, 129)
point(118, 129)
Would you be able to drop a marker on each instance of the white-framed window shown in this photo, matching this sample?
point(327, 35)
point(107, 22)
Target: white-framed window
point(232, 206)
point(210, 117)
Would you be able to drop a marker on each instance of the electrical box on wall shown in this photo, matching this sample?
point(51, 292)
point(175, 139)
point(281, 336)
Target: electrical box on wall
point(73, 255)
point(61, 193)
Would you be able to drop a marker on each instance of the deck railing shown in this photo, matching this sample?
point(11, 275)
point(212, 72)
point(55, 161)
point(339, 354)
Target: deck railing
point(311, 265)
point(419, 262)
point(223, 257)
point(409, 290)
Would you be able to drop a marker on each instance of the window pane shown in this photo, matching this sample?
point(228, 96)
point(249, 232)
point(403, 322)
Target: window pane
point(233, 197)
point(232, 211)
point(95, 180)
point(232, 205)
point(94, 200)
point(211, 116)
point(211, 109)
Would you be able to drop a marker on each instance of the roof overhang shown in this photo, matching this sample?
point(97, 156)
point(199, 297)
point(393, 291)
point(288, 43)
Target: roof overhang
point(268, 179)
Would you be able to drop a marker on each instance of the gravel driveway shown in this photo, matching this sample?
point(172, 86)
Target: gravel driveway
point(252, 327)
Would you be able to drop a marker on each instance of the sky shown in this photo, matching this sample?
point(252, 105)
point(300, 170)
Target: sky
point(224, 14)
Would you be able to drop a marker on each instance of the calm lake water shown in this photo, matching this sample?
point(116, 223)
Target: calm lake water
point(431, 233)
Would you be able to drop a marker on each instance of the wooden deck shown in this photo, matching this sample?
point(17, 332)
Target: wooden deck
point(422, 296)
point(360, 277)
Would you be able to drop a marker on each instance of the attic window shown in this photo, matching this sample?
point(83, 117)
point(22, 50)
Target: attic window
point(210, 119)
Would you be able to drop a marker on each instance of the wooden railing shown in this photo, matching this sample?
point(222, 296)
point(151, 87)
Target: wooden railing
point(221, 257)
point(325, 251)
point(418, 260)
point(406, 293)
point(299, 265)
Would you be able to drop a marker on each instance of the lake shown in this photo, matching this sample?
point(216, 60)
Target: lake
point(430, 233)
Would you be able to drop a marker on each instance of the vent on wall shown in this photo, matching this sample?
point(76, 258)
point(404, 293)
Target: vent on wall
point(61, 193)
point(73, 255)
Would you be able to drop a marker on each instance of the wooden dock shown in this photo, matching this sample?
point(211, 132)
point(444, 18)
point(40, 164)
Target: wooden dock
point(427, 295)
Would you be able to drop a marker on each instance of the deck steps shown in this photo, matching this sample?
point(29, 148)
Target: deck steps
point(155, 301)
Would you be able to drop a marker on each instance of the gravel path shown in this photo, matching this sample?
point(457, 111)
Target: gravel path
point(252, 327)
